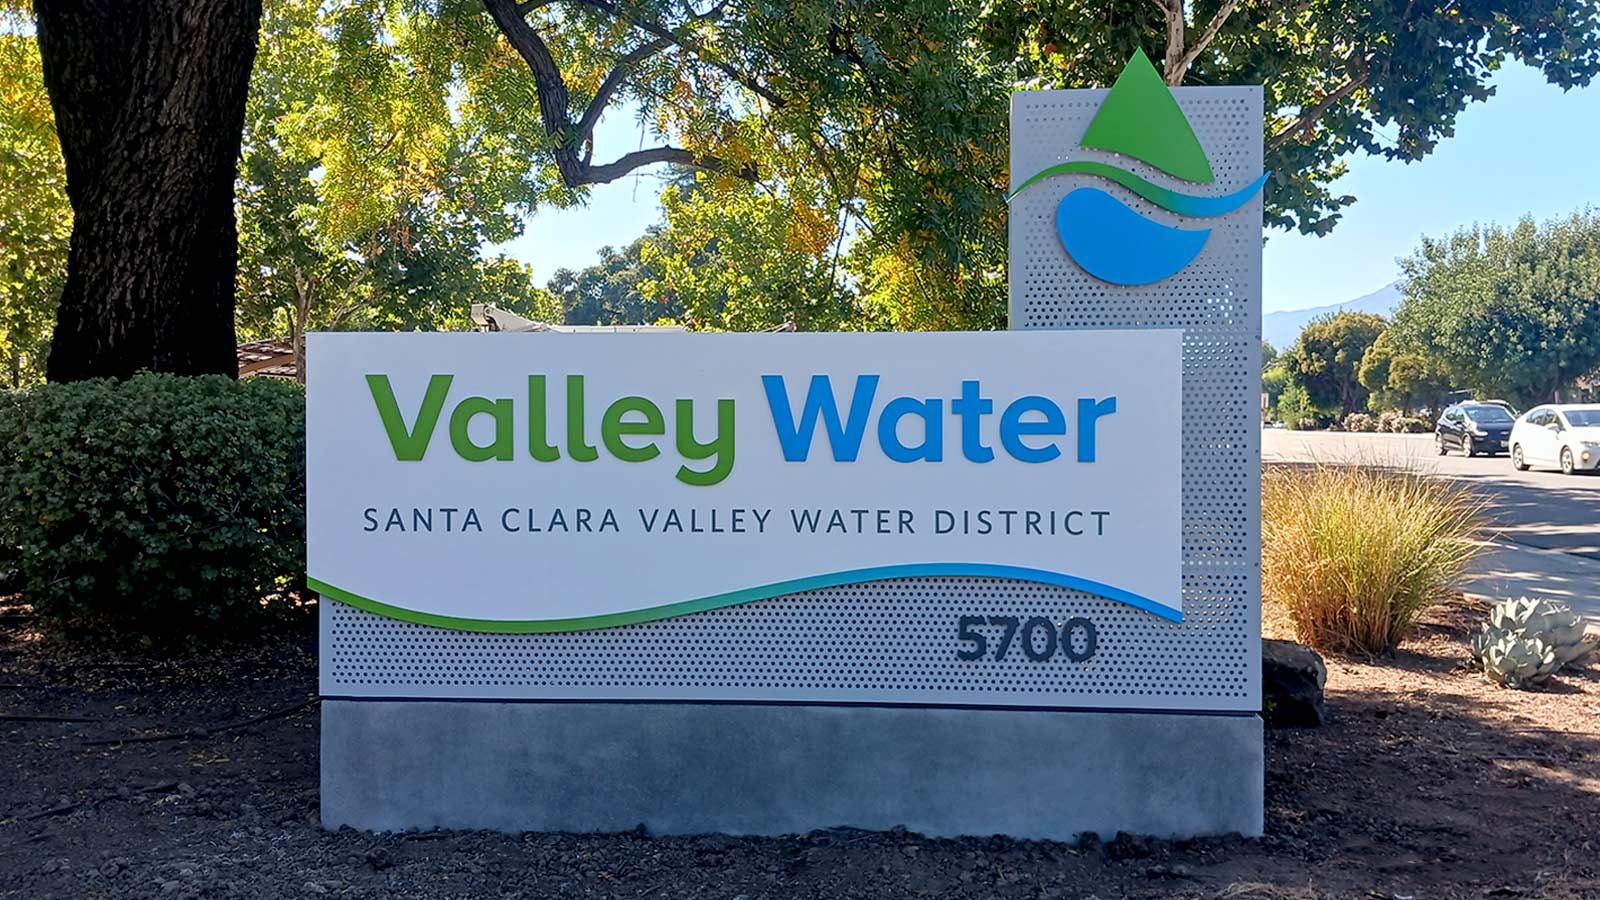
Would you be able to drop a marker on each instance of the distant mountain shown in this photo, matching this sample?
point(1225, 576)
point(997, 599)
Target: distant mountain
point(1280, 329)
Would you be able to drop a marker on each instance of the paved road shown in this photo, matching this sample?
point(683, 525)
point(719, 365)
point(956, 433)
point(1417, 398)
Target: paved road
point(1548, 537)
point(1542, 509)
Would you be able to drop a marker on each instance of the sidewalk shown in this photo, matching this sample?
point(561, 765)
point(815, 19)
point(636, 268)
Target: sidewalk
point(1510, 569)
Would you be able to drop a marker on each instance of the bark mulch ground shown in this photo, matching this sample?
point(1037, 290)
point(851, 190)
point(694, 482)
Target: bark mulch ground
point(197, 778)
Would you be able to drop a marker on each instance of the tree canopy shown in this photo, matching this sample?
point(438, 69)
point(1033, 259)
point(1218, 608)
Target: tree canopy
point(1402, 378)
point(838, 164)
point(1512, 312)
point(1326, 361)
point(35, 219)
point(609, 292)
point(902, 107)
point(372, 180)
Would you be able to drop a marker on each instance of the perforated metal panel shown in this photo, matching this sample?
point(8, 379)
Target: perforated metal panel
point(896, 641)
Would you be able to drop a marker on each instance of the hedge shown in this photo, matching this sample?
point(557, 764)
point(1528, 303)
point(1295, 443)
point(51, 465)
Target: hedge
point(155, 507)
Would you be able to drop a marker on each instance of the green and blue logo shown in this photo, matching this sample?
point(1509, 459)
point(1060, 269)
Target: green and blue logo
point(1103, 235)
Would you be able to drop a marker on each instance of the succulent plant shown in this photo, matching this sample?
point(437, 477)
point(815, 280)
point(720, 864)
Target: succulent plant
point(1517, 661)
point(1526, 640)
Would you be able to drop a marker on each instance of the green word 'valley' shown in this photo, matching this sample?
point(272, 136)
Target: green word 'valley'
point(628, 428)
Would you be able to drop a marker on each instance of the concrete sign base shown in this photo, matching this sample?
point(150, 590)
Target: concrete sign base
point(775, 769)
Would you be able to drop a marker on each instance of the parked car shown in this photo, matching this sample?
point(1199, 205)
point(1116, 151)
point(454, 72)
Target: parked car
point(1508, 407)
point(1473, 428)
point(1564, 436)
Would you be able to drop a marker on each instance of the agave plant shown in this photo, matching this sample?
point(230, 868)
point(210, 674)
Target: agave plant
point(1526, 640)
point(1514, 660)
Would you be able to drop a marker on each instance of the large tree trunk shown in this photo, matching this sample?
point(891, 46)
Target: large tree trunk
point(149, 103)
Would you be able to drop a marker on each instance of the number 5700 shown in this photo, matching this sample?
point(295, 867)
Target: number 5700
point(1039, 637)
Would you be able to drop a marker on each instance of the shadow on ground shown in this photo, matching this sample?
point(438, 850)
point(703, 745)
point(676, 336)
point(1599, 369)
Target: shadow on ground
point(1550, 518)
point(1427, 782)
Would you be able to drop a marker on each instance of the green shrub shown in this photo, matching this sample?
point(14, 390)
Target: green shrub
point(1396, 422)
point(1355, 554)
point(155, 507)
point(1360, 422)
point(1295, 408)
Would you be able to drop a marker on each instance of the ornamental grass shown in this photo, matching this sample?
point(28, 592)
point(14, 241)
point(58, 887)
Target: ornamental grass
point(1354, 554)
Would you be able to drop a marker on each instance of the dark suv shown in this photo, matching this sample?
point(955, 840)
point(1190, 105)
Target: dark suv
point(1474, 428)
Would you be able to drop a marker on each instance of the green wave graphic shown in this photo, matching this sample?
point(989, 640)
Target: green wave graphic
point(1166, 198)
point(747, 595)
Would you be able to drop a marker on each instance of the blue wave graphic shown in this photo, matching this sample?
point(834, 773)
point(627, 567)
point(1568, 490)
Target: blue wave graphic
point(746, 595)
point(990, 570)
point(1114, 243)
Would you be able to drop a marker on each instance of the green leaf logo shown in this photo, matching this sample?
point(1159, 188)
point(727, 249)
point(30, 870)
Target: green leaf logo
point(1140, 119)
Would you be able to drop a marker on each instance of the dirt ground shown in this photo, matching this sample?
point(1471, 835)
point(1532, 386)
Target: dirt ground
point(1427, 782)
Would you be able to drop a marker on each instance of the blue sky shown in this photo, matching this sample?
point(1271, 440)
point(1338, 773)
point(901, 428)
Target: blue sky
point(1530, 149)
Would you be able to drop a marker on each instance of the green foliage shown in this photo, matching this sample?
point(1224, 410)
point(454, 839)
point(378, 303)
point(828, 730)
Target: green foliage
point(732, 259)
point(609, 293)
point(1402, 378)
point(372, 174)
point(159, 506)
point(877, 126)
point(1274, 379)
point(901, 289)
point(1510, 312)
point(35, 219)
point(1354, 554)
point(385, 145)
point(1326, 360)
point(1296, 410)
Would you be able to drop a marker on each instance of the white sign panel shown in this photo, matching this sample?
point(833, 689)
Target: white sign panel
point(565, 482)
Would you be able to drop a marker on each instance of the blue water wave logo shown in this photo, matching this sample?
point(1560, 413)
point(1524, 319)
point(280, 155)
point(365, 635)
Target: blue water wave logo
point(1102, 234)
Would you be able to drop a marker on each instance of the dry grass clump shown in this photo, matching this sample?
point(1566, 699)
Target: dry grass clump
point(1354, 554)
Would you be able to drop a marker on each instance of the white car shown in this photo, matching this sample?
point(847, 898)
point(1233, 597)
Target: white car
point(1565, 436)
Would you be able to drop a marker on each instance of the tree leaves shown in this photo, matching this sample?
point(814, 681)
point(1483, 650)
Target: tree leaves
point(35, 219)
point(1510, 312)
point(377, 165)
point(1326, 360)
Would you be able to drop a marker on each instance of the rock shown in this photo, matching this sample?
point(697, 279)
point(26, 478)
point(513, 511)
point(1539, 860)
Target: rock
point(379, 859)
point(1292, 679)
point(1129, 846)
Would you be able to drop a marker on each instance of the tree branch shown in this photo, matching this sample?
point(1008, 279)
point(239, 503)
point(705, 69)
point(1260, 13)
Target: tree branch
point(1309, 116)
point(1172, 65)
point(714, 12)
point(555, 100)
point(613, 80)
point(1206, 36)
point(687, 42)
point(638, 159)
